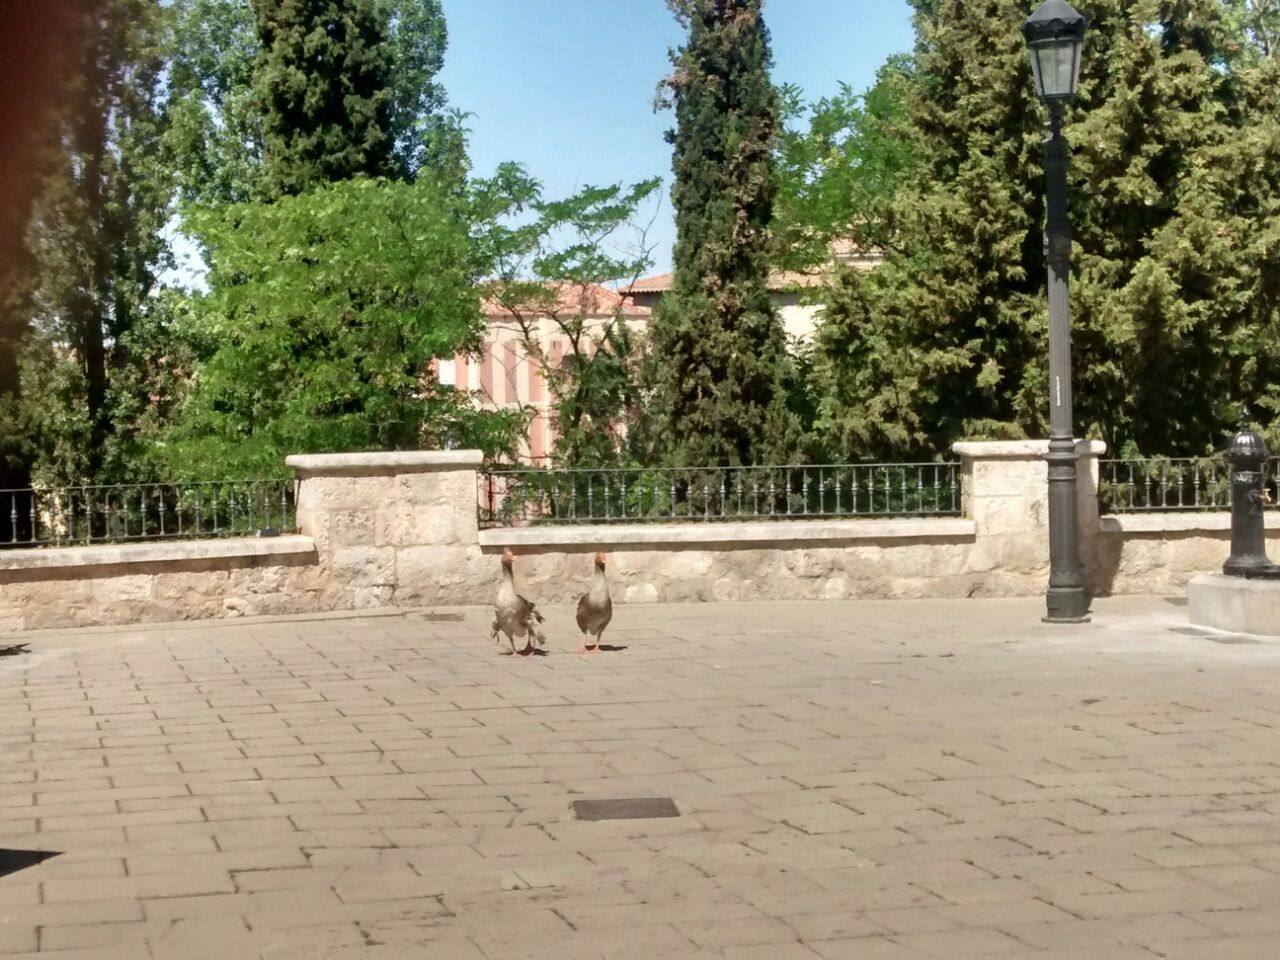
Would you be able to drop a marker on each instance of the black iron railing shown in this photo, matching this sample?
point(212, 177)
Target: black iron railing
point(1170, 485)
point(523, 497)
point(64, 516)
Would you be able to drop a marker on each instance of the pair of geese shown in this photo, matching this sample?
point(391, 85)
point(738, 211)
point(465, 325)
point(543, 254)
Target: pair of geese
point(514, 616)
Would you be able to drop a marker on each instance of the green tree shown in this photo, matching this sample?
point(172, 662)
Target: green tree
point(1214, 271)
point(322, 82)
point(425, 133)
point(96, 234)
point(217, 129)
point(1152, 368)
point(948, 339)
point(841, 162)
point(323, 313)
point(552, 262)
point(34, 84)
point(154, 375)
point(722, 368)
point(218, 122)
point(1259, 23)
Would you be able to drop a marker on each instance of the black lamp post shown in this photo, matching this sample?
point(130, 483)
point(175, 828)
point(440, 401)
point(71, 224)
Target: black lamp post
point(1055, 37)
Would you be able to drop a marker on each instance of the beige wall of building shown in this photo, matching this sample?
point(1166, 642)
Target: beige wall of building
point(506, 376)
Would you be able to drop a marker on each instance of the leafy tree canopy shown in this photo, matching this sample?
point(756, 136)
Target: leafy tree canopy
point(220, 129)
point(96, 238)
point(555, 263)
point(1173, 320)
point(323, 314)
point(841, 161)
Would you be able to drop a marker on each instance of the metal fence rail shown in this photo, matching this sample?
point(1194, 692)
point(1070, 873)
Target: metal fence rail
point(524, 497)
point(65, 516)
point(1170, 485)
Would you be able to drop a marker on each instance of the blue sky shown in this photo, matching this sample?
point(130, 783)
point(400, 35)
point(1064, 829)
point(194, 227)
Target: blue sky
point(566, 86)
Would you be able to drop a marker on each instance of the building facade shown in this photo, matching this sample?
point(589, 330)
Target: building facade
point(524, 341)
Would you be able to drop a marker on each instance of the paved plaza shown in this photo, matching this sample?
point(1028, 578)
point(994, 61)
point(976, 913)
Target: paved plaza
point(879, 781)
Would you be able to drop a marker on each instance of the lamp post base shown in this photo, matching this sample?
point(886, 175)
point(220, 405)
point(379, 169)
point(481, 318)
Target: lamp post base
point(1067, 605)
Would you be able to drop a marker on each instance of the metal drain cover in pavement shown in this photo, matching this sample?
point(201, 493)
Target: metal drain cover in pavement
point(11, 861)
point(635, 808)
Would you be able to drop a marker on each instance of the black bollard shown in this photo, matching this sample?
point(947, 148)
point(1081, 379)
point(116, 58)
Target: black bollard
point(1247, 456)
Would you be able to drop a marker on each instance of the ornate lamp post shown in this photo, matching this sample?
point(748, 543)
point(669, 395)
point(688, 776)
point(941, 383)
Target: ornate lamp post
point(1055, 38)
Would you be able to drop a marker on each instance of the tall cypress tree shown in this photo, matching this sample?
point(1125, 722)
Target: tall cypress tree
point(323, 83)
point(949, 339)
point(1214, 268)
point(722, 366)
point(932, 346)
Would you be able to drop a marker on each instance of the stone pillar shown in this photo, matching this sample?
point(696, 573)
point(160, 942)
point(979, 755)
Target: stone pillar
point(1006, 494)
point(394, 529)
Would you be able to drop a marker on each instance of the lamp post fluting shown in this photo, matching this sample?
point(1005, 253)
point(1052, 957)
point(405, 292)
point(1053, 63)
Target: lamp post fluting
point(1055, 38)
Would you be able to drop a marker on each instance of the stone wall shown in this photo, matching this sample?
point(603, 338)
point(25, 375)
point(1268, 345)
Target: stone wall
point(765, 560)
point(1159, 553)
point(998, 549)
point(395, 529)
point(88, 586)
point(1006, 494)
point(399, 530)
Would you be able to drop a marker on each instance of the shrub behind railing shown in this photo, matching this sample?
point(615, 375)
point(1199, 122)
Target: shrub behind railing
point(1170, 485)
point(62, 516)
point(523, 497)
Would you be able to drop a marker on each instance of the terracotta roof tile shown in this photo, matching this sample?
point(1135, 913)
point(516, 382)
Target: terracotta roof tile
point(842, 251)
point(589, 300)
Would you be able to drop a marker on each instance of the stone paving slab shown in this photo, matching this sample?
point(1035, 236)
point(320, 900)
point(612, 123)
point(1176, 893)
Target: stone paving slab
point(879, 780)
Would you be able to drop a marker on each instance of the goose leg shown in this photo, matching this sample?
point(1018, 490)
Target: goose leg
point(584, 648)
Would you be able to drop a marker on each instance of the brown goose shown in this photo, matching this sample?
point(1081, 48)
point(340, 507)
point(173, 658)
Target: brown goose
point(595, 609)
point(513, 614)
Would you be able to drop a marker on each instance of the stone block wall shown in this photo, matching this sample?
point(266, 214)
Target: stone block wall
point(998, 549)
point(1160, 553)
point(395, 529)
point(1005, 487)
point(93, 586)
point(764, 560)
point(399, 530)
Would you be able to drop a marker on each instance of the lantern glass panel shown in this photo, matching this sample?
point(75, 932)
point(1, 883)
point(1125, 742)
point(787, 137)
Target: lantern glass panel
point(1056, 65)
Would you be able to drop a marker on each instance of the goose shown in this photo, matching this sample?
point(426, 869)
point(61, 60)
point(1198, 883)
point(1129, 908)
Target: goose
point(513, 615)
point(595, 609)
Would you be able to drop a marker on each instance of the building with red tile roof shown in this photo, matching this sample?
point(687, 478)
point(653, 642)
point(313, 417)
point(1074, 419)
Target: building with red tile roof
point(508, 375)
